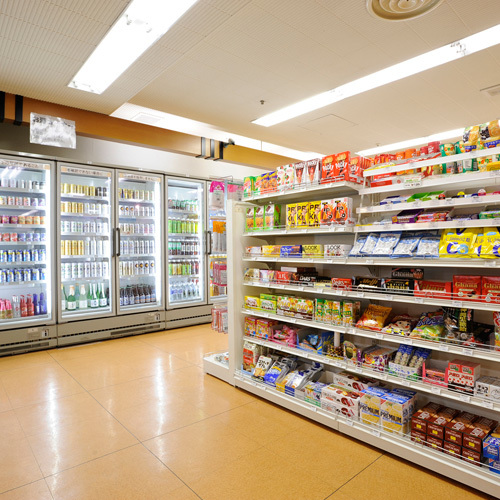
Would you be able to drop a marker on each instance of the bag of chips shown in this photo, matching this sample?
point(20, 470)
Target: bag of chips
point(430, 326)
point(490, 247)
point(458, 243)
point(374, 317)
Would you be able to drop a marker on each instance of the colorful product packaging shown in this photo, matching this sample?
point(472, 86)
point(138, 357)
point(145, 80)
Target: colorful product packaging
point(264, 328)
point(268, 302)
point(258, 223)
point(252, 302)
point(313, 169)
point(272, 216)
point(271, 250)
point(314, 213)
point(291, 215)
point(467, 287)
point(291, 251)
point(491, 289)
point(250, 217)
point(303, 214)
point(248, 186)
point(250, 326)
point(300, 174)
point(312, 251)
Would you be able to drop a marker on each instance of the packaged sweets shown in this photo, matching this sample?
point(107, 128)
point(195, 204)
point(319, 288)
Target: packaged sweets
point(253, 250)
point(252, 274)
point(319, 307)
point(286, 335)
point(433, 289)
point(252, 302)
point(313, 168)
point(259, 218)
point(271, 250)
point(374, 317)
point(304, 308)
point(430, 326)
point(406, 245)
point(358, 245)
point(476, 249)
point(342, 211)
point(248, 186)
point(336, 250)
point(350, 312)
point(299, 177)
point(407, 272)
point(490, 248)
point(268, 302)
point(401, 324)
point(428, 246)
point(280, 177)
point(258, 184)
point(458, 324)
point(250, 326)
point(291, 251)
point(263, 364)
point(249, 217)
point(336, 312)
point(278, 369)
point(341, 283)
point(312, 250)
point(470, 138)
point(314, 213)
point(327, 169)
point(342, 166)
point(491, 289)
point(264, 328)
point(251, 354)
point(272, 216)
point(291, 215)
point(457, 242)
point(303, 214)
point(401, 285)
point(273, 182)
point(328, 311)
point(467, 287)
point(370, 244)
point(496, 321)
point(289, 176)
point(327, 213)
point(362, 282)
point(489, 134)
point(386, 243)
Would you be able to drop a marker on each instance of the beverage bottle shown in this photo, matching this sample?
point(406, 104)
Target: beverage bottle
point(94, 301)
point(64, 299)
point(36, 305)
point(131, 298)
point(8, 309)
point(43, 304)
point(30, 310)
point(77, 296)
point(142, 295)
point(71, 299)
point(107, 296)
point(89, 296)
point(24, 311)
point(2, 309)
point(103, 301)
point(148, 294)
point(82, 303)
point(16, 309)
point(126, 300)
point(121, 296)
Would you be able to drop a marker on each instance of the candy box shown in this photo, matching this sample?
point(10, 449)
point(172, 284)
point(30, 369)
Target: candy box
point(258, 184)
point(341, 283)
point(327, 213)
point(272, 216)
point(339, 409)
point(291, 251)
point(452, 449)
point(251, 354)
point(328, 169)
point(252, 274)
point(272, 186)
point(248, 186)
point(336, 250)
point(250, 326)
point(342, 166)
point(259, 218)
point(313, 392)
point(266, 275)
point(399, 285)
point(476, 432)
point(433, 289)
point(436, 425)
point(253, 250)
point(407, 216)
point(454, 429)
point(282, 276)
point(304, 308)
point(421, 418)
point(315, 342)
point(312, 251)
point(491, 289)
point(491, 448)
point(263, 364)
point(313, 168)
point(354, 382)
point(467, 287)
point(268, 302)
point(314, 213)
point(289, 176)
point(434, 442)
point(371, 403)
point(280, 177)
point(303, 214)
point(462, 375)
point(418, 437)
point(471, 456)
point(271, 250)
point(377, 357)
point(252, 302)
point(300, 174)
point(342, 211)
point(407, 272)
point(250, 218)
point(285, 305)
point(319, 310)
point(396, 413)
point(264, 328)
point(291, 215)
point(341, 395)
point(435, 372)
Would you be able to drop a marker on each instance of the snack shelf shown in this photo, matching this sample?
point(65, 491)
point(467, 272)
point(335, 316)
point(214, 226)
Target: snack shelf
point(307, 230)
point(368, 261)
point(216, 368)
point(382, 294)
point(437, 160)
point(400, 445)
point(384, 376)
point(470, 201)
point(412, 226)
point(478, 353)
point(309, 192)
point(23, 207)
point(466, 181)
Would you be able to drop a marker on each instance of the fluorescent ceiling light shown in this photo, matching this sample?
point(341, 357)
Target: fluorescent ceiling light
point(139, 27)
point(437, 57)
point(168, 121)
point(398, 146)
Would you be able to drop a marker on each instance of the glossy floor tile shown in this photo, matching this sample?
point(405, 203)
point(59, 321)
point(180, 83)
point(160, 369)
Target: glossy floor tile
point(136, 418)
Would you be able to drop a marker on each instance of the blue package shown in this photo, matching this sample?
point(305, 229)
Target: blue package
point(386, 243)
point(428, 246)
point(406, 246)
point(370, 244)
point(358, 245)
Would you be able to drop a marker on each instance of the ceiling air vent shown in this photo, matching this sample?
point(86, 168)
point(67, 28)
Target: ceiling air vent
point(400, 10)
point(146, 119)
point(493, 91)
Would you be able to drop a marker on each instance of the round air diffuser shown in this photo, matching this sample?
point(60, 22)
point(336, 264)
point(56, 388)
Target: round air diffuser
point(400, 10)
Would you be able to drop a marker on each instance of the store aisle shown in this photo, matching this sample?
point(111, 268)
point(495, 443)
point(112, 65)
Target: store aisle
point(136, 418)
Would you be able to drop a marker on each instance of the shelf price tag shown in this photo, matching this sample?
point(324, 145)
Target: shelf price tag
point(379, 335)
point(465, 398)
point(407, 340)
point(349, 422)
point(406, 383)
point(359, 369)
point(435, 390)
point(444, 347)
point(369, 261)
point(384, 376)
point(360, 294)
point(468, 352)
point(319, 290)
point(419, 300)
point(488, 404)
point(300, 288)
point(389, 297)
point(337, 363)
point(490, 263)
point(376, 433)
point(279, 286)
point(456, 303)
point(329, 261)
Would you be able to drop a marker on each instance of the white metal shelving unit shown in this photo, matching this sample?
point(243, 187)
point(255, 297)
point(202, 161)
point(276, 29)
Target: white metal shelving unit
point(477, 477)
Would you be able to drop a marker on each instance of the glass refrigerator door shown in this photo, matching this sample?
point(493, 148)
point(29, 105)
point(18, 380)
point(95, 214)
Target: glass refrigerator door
point(140, 242)
point(25, 243)
point(186, 249)
point(85, 222)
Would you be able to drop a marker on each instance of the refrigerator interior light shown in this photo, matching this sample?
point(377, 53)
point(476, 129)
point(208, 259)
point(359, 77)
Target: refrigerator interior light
point(423, 62)
point(139, 27)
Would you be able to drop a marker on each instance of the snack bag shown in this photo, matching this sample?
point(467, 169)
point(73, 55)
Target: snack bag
point(489, 134)
point(251, 353)
point(406, 245)
point(476, 249)
point(490, 248)
point(291, 215)
point(430, 326)
point(314, 213)
point(457, 242)
point(428, 246)
point(273, 182)
point(374, 317)
point(470, 138)
point(370, 244)
point(358, 245)
point(401, 324)
point(327, 213)
point(248, 186)
point(386, 243)
point(458, 324)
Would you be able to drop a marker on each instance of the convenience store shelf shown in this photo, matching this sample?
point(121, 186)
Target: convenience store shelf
point(371, 228)
point(401, 446)
point(487, 354)
point(307, 192)
point(384, 376)
point(308, 230)
point(384, 295)
point(472, 201)
point(216, 368)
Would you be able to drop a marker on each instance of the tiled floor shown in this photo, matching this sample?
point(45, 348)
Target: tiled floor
point(136, 418)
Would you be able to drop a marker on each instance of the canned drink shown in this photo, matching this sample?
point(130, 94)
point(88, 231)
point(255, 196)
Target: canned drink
point(36, 220)
point(63, 272)
point(67, 270)
point(74, 247)
point(99, 227)
point(4, 256)
point(98, 191)
point(151, 267)
point(93, 270)
point(20, 236)
point(86, 227)
point(79, 227)
point(5, 219)
point(14, 219)
point(92, 190)
point(105, 227)
point(19, 274)
point(18, 256)
point(32, 255)
point(9, 276)
point(74, 270)
point(11, 200)
point(80, 208)
point(79, 270)
point(67, 247)
point(104, 192)
point(38, 236)
point(35, 274)
point(87, 270)
point(3, 200)
point(74, 207)
point(99, 247)
point(36, 185)
point(12, 183)
point(29, 237)
point(92, 227)
point(80, 247)
point(28, 219)
point(13, 237)
point(86, 208)
point(120, 268)
point(3, 276)
point(137, 229)
point(42, 274)
point(19, 201)
point(26, 201)
point(9, 255)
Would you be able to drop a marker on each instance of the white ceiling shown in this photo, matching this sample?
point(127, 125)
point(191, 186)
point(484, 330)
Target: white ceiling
point(224, 56)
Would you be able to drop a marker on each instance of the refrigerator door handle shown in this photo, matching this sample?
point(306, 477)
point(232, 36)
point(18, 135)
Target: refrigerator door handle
point(118, 241)
point(209, 242)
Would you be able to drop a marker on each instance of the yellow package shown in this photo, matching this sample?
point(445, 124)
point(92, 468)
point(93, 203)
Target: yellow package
point(303, 214)
point(490, 248)
point(291, 215)
point(458, 243)
point(476, 250)
point(314, 213)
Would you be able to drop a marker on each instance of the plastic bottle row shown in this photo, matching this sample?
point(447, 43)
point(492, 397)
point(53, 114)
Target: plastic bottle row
point(136, 267)
point(183, 226)
point(188, 247)
point(187, 205)
point(79, 226)
point(184, 291)
point(136, 211)
point(75, 270)
point(131, 295)
point(29, 185)
point(22, 275)
point(19, 306)
point(87, 247)
point(91, 296)
point(22, 201)
point(137, 247)
point(84, 190)
point(76, 207)
point(23, 255)
point(183, 268)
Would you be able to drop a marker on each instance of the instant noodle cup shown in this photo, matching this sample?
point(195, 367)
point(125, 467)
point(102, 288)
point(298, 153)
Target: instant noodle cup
point(400, 155)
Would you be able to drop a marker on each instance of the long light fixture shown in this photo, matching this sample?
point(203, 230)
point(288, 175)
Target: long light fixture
point(140, 26)
point(437, 57)
point(398, 146)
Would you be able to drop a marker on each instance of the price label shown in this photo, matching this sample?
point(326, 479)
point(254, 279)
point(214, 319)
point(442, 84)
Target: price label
point(319, 290)
point(300, 288)
point(419, 300)
point(461, 223)
point(254, 258)
point(468, 352)
point(309, 260)
point(332, 228)
point(329, 261)
point(384, 376)
point(494, 173)
point(369, 261)
point(465, 398)
point(456, 303)
point(436, 390)
point(444, 347)
point(369, 209)
point(490, 263)
point(433, 224)
point(407, 340)
point(379, 335)
point(360, 294)
point(488, 404)
point(406, 383)
point(292, 320)
point(279, 286)
point(387, 206)
point(376, 433)
point(477, 199)
point(389, 297)
point(337, 363)
point(417, 203)
point(359, 369)
point(386, 226)
point(349, 422)
point(273, 259)
point(449, 201)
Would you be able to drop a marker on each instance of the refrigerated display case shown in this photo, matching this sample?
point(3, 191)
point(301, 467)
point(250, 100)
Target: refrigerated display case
point(26, 253)
point(186, 245)
point(85, 222)
point(139, 242)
